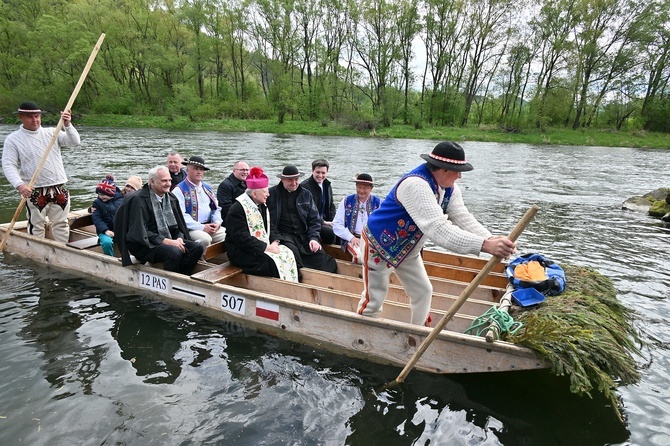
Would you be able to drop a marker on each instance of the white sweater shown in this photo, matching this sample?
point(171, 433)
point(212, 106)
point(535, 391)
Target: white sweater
point(456, 231)
point(24, 149)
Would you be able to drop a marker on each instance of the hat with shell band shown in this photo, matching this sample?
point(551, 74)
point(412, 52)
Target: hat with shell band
point(196, 161)
point(448, 155)
point(28, 107)
point(290, 172)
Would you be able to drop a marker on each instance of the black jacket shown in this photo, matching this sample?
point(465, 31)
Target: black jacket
point(135, 223)
point(306, 209)
point(227, 192)
point(103, 216)
point(244, 249)
point(329, 209)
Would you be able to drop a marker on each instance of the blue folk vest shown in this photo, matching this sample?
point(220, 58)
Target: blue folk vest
point(390, 229)
point(351, 211)
point(191, 202)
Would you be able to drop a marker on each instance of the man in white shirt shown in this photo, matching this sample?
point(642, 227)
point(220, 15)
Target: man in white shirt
point(199, 205)
point(352, 215)
point(22, 153)
point(426, 203)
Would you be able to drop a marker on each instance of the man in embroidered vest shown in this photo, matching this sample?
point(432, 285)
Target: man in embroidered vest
point(294, 214)
point(177, 172)
point(201, 210)
point(150, 226)
point(22, 153)
point(322, 192)
point(352, 215)
point(424, 204)
point(232, 187)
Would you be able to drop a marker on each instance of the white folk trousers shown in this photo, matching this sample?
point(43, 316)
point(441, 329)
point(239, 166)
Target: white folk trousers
point(413, 277)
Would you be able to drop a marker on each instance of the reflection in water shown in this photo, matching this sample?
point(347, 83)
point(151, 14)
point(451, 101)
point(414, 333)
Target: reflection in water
point(56, 327)
point(149, 342)
point(512, 409)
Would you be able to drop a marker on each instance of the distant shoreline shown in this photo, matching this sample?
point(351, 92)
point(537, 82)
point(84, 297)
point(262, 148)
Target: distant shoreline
point(552, 136)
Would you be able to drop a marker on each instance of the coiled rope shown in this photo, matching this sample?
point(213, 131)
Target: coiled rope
point(502, 320)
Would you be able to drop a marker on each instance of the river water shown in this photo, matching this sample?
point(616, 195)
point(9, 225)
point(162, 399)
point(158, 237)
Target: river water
point(84, 362)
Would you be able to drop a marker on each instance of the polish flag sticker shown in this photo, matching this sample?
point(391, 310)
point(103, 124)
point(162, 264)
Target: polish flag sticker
point(267, 310)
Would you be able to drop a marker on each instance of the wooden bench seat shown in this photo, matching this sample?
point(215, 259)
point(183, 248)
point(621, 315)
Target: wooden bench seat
point(214, 250)
point(217, 273)
point(85, 243)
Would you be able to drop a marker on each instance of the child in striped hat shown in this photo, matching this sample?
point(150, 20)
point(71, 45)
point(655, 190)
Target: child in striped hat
point(104, 209)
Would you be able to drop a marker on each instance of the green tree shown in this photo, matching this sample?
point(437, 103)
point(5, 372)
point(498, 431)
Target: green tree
point(376, 47)
point(601, 38)
point(656, 68)
point(516, 75)
point(552, 29)
point(488, 28)
point(408, 28)
point(446, 55)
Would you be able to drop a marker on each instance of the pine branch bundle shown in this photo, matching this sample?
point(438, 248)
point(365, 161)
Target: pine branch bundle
point(585, 333)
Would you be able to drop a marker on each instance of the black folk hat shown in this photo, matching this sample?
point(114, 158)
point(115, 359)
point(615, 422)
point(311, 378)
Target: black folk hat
point(290, 172)
point(28, 107)
point(364, 178)
point(450, 156)
point(197, 161)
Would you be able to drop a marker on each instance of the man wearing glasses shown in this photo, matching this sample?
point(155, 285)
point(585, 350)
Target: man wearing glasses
point(232, 187)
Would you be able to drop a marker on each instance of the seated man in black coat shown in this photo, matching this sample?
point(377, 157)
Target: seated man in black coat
point(152, 228)
point(322, 192)
point(252, 242)
point(294, 214)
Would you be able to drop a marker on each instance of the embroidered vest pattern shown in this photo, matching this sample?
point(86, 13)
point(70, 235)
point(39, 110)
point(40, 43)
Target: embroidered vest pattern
point(191, 200)
point(391, 231)
point(352, 209)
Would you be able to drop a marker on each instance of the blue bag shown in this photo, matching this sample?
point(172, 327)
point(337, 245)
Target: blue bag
point(553, 284)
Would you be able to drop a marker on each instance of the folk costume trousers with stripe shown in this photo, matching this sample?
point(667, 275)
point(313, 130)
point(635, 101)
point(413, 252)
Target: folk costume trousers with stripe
point(43, 206)
point(412, 275)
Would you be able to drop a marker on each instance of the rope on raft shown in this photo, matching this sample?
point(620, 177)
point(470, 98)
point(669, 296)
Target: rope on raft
point(502, 321)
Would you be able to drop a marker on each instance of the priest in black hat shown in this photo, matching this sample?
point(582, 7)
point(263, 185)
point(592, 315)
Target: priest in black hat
point(49, 199)
point(294, 214)
point(424, 204)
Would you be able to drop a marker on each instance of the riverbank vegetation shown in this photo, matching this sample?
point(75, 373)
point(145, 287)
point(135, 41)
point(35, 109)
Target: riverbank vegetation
point(476, 69)
point(559, 136)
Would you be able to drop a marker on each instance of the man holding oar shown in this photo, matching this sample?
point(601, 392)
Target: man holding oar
point(21, 155)
point(425, 203)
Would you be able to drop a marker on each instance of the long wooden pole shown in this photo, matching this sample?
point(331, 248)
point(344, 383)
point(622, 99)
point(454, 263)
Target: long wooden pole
point(525, 220)
point(73, 96)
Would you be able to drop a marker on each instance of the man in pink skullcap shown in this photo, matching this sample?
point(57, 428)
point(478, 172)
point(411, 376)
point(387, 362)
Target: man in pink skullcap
point(253, 242)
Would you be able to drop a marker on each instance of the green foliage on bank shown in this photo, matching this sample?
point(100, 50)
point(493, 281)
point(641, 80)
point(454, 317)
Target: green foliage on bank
point(583, 137)
point(373, 65)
